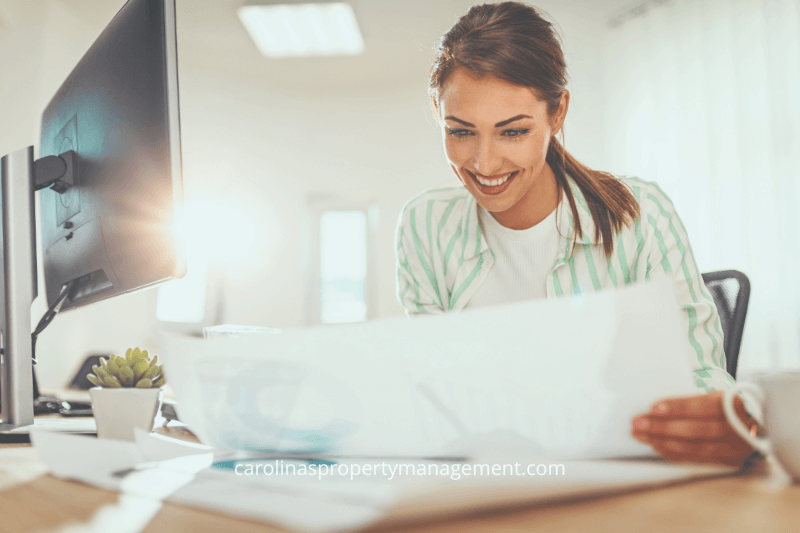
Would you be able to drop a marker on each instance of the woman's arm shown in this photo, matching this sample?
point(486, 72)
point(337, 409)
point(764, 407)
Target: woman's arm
point(692, 428)
point(416, 284)
point(671, 254)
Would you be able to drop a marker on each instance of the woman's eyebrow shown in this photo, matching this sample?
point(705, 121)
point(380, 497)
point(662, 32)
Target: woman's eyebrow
point(510, 120)
point(498, 125)
point(464, 122)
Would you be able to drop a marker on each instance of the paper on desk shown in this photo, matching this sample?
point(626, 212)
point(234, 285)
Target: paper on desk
point(181, 474)
point(336, 502)
point(309, 504)
point(568, 375)
point(94, 461)
point(154, 447)
point(422, 499)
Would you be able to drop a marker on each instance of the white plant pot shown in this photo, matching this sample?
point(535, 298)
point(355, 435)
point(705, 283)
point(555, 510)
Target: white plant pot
point(117, 411)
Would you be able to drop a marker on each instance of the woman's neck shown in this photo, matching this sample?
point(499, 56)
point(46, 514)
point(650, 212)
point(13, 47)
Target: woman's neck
point(540, 200)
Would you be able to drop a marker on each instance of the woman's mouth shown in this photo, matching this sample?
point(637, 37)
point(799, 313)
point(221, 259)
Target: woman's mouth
point(493, 184)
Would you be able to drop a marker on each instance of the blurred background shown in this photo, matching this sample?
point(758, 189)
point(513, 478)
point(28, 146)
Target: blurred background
point(296, 168)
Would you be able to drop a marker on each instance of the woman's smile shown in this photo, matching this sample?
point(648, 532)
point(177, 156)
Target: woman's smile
point(493, 184)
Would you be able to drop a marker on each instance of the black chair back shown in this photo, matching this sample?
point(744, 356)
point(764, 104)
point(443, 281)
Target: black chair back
point(731, 292)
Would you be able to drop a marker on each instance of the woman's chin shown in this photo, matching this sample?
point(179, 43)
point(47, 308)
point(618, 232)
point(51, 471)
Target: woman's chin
point(492, 204)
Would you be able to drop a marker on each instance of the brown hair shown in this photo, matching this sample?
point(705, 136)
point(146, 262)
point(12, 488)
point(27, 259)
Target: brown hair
point(513, 42)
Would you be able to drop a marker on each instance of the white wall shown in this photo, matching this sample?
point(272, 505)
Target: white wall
point(263, 145)
point(20, 54)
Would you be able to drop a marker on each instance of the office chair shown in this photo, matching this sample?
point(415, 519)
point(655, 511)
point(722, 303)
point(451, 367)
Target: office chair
point(731, 292)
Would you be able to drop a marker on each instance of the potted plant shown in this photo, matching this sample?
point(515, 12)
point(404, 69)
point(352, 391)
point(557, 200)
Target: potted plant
point(127, 395)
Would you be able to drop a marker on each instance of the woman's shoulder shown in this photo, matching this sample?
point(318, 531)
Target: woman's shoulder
point(434, 204)
point(649, 195)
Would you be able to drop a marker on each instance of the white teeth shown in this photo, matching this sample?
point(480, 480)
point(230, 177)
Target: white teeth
point(493, 183)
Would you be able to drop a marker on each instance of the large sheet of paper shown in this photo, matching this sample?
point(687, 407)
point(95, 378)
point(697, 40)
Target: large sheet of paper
point(341, 503)
point(557, 378)
point(348, 495)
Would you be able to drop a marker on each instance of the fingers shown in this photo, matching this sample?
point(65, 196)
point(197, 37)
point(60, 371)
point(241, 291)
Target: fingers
point(685, 428)
point(694, 418)
point(693, 428)
point(700, 406)
point(702, 452)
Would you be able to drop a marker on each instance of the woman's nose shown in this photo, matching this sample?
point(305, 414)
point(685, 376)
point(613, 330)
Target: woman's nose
point(488, 160)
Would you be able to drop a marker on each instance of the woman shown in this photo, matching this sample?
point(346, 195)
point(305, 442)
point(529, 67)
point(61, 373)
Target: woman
point(532, 222)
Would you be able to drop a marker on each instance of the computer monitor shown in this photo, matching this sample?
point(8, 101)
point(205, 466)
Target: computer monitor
point(110, 148)
point(113, 230)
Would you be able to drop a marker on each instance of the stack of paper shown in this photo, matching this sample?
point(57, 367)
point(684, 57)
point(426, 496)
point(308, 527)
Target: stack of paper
point(567, 376)
point(334, 494)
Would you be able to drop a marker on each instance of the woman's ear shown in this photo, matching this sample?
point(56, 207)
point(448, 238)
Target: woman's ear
point(561, 113)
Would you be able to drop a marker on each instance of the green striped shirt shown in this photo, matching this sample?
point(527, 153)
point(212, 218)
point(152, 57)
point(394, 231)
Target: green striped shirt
point(442, 258)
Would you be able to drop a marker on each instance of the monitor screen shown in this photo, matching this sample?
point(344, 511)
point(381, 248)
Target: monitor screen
point(114, 230)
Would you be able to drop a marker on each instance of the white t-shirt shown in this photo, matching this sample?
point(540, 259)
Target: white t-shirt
point(524, 260)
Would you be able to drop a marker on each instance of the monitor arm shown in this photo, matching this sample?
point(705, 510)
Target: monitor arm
point(55, 171)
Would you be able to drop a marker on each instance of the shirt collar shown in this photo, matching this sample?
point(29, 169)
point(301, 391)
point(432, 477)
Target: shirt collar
point(474, 241)
point(566, 224)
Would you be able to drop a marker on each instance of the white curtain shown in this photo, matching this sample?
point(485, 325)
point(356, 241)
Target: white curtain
point(703, 96)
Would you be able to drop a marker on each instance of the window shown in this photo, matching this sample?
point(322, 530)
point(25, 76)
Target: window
point(341, 287)
point(343, 266)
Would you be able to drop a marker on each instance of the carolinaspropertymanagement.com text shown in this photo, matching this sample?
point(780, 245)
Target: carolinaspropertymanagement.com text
point(390, 470)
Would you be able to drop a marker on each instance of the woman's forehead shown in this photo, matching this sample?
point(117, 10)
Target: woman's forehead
point(486, 98)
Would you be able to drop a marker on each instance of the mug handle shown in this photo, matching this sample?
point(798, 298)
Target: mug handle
point(759, 443)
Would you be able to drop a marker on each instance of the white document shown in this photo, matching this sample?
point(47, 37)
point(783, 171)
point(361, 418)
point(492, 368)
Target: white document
point(561, 378)
point(152, 467)
point(144, 472)
point(337, 502)
point(425, 499)
point(307, 504)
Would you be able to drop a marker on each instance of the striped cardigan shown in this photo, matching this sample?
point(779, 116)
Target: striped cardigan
point(442, 258)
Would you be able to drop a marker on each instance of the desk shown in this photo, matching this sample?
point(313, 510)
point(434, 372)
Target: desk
point(760, 500)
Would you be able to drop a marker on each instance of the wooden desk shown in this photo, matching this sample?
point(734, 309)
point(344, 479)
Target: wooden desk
point(760, 500)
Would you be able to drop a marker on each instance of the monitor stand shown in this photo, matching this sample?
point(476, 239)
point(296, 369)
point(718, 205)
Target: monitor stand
point(47, 417)
point(20, 177)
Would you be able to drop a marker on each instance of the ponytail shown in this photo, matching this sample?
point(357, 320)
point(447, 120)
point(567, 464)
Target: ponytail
point(610, 203)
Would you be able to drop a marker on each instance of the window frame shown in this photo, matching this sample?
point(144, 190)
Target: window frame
point(317, 205)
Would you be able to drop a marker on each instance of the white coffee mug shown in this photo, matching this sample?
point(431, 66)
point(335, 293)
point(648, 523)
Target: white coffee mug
point(779, 396)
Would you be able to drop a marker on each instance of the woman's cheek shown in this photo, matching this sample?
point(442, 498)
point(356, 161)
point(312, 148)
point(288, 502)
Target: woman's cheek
point(457, 155)
point(543, 145)
point(452, 152)
point(531, 154)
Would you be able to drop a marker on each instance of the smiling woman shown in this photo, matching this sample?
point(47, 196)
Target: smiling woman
point(532, 222)
point(491, 157)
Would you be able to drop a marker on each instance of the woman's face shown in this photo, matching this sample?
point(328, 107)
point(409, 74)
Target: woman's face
point(496, 136)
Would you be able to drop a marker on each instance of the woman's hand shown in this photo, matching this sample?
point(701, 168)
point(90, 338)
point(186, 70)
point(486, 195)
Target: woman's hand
point(694, 428)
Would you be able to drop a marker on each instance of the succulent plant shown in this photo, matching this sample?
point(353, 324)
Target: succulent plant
point(134, 370)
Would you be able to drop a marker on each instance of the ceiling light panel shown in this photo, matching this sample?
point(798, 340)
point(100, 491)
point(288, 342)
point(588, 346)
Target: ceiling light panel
point(308, 29)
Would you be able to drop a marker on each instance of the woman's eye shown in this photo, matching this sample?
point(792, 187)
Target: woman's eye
point(455, 132)
point(515, 133)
